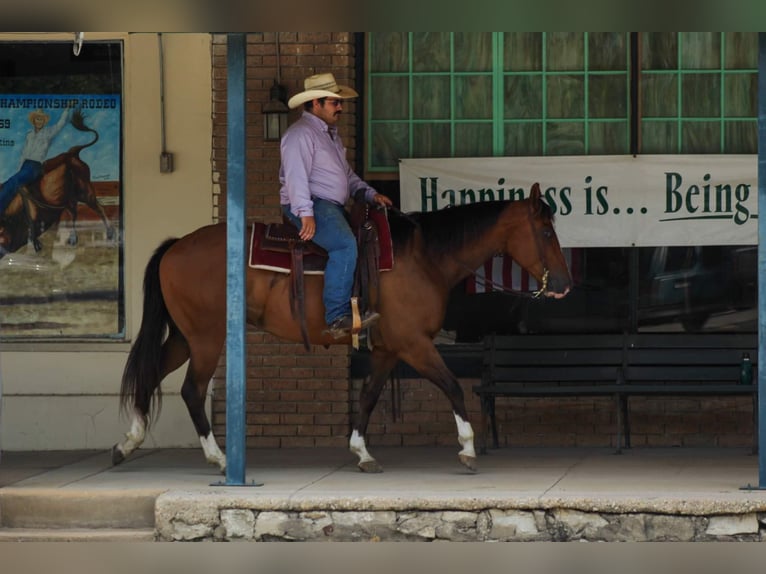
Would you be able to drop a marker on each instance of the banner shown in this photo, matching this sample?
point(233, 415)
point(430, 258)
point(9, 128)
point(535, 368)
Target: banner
point(605, 201)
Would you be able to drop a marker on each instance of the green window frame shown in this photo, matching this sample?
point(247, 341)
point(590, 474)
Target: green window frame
point(453, 94)
point(676, 67)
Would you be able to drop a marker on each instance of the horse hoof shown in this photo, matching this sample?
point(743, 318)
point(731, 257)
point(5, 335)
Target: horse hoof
point(469, 462)
point(370, 466)
point(117, 456)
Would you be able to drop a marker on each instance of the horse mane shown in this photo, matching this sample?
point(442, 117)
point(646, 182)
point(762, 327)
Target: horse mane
point(451, 228)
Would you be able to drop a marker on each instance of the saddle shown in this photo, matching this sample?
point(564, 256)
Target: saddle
point(278, 247)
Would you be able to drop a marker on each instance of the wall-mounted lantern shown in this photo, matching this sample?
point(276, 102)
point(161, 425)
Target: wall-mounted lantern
point(275, 113)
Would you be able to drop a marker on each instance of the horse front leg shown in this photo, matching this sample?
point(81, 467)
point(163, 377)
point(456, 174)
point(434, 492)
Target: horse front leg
point(72, 240)
point(382, 363)
point(424, 358)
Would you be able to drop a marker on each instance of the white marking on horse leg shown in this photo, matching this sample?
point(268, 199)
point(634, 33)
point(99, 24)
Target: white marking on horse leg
point(213, 454)
point(135, 436)
point(357, 446)
point(465, 436)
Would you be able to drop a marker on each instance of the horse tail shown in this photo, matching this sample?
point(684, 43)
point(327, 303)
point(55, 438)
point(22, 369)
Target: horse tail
point(142, 375)
point(78, 122)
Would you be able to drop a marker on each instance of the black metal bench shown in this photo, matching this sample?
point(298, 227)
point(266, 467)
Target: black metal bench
point(620, 366)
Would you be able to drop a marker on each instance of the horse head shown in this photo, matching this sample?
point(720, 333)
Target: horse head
point(535, 247)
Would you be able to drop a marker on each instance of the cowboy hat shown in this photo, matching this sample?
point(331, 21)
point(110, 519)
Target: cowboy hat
point(321, 86)
point(38, 113)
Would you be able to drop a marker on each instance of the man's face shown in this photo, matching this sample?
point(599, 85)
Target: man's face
point(329, 111)
point(39, 122)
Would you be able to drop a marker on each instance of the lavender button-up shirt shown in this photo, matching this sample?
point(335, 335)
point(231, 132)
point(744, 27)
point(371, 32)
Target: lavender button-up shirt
point(314, 164)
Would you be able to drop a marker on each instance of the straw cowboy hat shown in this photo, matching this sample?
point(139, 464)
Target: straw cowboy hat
point(38, 113)
point(321, 86)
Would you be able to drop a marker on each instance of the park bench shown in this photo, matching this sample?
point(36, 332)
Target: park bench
point(620, 366)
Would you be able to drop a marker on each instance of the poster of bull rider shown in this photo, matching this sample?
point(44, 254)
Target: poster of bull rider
point(60, 251)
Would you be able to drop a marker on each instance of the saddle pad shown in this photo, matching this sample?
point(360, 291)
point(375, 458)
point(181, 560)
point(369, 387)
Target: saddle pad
point(279, 261)
point(262, 257)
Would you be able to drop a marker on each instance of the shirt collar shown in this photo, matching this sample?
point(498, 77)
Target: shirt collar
point(320, 124)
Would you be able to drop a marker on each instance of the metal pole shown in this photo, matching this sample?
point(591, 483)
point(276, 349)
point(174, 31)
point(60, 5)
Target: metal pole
point(761, 430)
point(235, 261)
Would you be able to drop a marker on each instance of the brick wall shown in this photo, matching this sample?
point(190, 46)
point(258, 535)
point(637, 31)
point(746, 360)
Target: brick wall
point(299, 398)
point(294, 397)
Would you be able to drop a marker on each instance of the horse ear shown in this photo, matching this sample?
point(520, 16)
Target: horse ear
point(534, 196)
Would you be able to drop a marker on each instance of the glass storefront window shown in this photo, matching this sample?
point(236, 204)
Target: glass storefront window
point(61, 250)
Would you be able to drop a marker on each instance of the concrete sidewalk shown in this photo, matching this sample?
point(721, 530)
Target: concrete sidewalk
point(307, 494)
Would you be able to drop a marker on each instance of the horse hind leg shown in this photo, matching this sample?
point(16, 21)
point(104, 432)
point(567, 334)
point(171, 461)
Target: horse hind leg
point(382, 364)
point(174, 353)
point(194, 392)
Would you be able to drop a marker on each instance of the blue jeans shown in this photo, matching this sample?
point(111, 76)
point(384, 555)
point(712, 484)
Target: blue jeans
point(29, 172)
point(335, 236)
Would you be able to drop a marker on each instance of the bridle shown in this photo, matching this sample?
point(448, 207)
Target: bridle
point(528, 294)
point(495, 285)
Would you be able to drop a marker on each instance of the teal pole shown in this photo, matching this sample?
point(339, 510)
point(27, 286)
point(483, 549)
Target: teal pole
point(235, 260)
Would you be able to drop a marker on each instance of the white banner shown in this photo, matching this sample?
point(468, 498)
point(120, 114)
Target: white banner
point(606, 201)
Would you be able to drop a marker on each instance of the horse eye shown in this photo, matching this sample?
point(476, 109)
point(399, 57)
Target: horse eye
point(547, 233)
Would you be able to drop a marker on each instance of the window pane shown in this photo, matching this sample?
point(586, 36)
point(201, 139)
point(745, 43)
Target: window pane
point(473, 140)
point(715, 294)
point(524, 139)
point(701, 137)
point(659, 95)
point(701, 95)
point(431, 97)
point(473, 51)
point(741, 95)
point(389, 143)
point(566, 138)
point(390, 99)
point(700, 50)
point(431, 51)
point(473, 97)
point(523, 97)
point(388, 52)
point(608, 96)
point(659, 137)
point(659, 51)
point(607, 51)
point(565, 51)
point(523, 51)
point(431, 140)
point(608, 138)
point(741, 137)
point(565, 97)
point(741, 50)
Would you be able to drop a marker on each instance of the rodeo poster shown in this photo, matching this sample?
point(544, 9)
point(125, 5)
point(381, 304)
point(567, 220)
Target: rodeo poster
point(60, 252)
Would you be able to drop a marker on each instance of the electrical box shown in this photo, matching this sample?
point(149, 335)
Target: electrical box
point(166, 162)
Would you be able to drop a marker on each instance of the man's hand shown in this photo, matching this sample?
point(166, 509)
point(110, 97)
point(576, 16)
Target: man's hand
point(308, 227)
point(382, 200)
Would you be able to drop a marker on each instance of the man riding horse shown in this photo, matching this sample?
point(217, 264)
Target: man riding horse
point(316, 184)
point(36, 146)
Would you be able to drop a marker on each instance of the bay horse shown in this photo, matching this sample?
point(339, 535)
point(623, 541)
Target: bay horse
point(38, 206)
point(184, 312)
